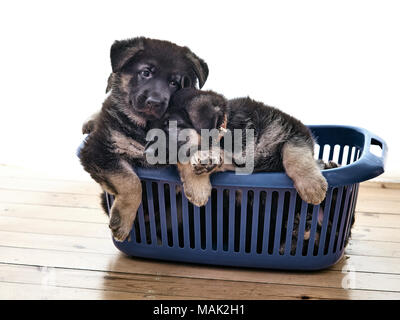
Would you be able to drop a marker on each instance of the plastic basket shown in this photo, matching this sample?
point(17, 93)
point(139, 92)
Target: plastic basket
point(257, 220)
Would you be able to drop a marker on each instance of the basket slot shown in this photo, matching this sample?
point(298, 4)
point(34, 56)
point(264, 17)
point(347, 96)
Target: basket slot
point(214, 215)
point(316, 151)
point(237, 219)
point(197, 227)
point(320, 151)
point(272, 221)
point(336, 151)
point(326, 152)
point(331, 152)
point(219, 220)
point(286, 246)
point(342, 216)
point(345, 213)
point(332, 233)
point(203, 231)
point(301, 228)
point(179, 214)
point(140, 229)
point(185, 221)
point(345, 156)
point(261, 221)
point(243, 213)
point(249, 219)
point(349, 156)
point(267, 222)
point(162, 214)
point(208, 212)
point(226, 233)
point(146, 228)
point(231, 232)
point(340, 156)
point(314, 232)
point(152, 218)
point(254, 229)
point(285, 198)
point(280, 220)
point(191, 225)
point(321, 241)
point(174, 215)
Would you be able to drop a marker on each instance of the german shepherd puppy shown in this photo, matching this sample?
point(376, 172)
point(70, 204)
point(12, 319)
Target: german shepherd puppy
point(145, 73)
point(281, 142)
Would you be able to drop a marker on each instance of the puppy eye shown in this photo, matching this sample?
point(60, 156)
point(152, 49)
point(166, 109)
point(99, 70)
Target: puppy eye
point(173, 83)
point(145, 73)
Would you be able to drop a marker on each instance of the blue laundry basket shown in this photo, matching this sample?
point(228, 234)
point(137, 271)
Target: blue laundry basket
point(257, 220)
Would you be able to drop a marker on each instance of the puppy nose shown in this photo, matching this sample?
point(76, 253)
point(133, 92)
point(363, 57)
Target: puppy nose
point(153, 103)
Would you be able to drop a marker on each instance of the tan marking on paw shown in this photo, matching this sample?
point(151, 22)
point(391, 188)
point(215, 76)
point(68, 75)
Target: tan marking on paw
point(196, 188)
point(206, 161)
point(301, 167)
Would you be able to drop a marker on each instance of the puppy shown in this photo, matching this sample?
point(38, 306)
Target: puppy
point(281, 142)
point(145, 73)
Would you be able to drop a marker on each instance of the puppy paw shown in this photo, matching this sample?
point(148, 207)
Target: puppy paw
point(120, 227)
point(88, 126)
point(205, 161)
point(312, 188)
point(199, 192)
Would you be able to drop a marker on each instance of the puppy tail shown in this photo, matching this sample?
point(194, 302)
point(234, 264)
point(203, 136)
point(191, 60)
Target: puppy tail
point(104, 202)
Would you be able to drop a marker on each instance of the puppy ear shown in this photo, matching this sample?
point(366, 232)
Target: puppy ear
point(186, 82)
point(199, 66)
point(109, 82)
point(124, 50)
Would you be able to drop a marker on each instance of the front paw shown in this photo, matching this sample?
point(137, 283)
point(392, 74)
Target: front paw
point(205, 161)
point(120, 227)
point(88, 126)
point(198, 192)
point(312, 188)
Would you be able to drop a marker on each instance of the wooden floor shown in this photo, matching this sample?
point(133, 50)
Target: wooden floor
point(55, 244)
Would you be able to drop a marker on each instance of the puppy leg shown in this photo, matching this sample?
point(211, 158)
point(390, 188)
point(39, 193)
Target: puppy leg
point(197, 188)
point(125, 185)
point(301, 167)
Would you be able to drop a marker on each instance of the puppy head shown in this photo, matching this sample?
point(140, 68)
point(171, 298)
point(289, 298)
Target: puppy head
point(198, 109)
point(146, 72)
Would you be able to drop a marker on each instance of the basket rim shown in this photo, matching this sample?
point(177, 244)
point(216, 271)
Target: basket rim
point(368, 166)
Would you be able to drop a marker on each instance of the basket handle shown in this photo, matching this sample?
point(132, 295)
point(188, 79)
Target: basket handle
point(368, 166)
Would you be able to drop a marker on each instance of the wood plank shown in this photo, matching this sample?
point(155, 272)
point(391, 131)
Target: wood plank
point(373, 248)
point(55, 227)
point(57, 242)
point(365, 268)
point(24, 291)
point(50, 185)
point(368, 219)
point(377, 234)
point(182, 287)
point(50, 199)
point(378, 200)
point(50, 213)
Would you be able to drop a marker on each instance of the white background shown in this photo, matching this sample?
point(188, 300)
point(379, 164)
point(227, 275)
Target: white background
point(325, 62)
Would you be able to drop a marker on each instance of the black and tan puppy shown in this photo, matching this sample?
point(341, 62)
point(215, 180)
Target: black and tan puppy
point(281, 142)
point(145, 73)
